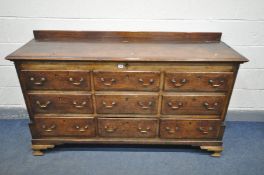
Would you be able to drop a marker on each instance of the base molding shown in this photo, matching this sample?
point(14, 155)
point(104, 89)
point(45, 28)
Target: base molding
point(139, 141)
point(40, 145)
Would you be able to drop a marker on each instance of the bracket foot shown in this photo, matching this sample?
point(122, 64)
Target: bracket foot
point(216, 150)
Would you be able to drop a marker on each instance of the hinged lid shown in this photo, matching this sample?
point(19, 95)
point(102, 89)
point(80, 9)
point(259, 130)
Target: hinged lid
point(127, 46)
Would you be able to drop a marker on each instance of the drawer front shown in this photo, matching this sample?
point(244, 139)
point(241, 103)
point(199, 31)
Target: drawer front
point(127, 127)
point(189, 129)
point(136, 81)
point(57, 80)
point(61, 103)
point(126, 104)
point(65, 126)
point(198, 81)
point(190, 104)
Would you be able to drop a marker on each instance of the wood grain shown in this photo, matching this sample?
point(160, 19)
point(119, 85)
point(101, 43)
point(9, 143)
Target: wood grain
point(126, 87)
point(189, 129)
point(107, 46)
point(127, 127)
point(117, 35)
point(193, 104)
point(60, 103)
point(53, 126)
point(198, 81)
point(57, 80)
point(126, 104)
point(126, 80)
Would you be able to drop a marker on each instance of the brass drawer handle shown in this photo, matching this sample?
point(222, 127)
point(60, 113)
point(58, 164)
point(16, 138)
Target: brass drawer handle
point(43, 106)
point(75, 82)
point(109, 106)
point(79, 106)
point(170, 130)
point(204, 131)
point(176, 106)
point(151, 81)
point(213, 83)
point(207, 106)
point(145, 106)
point(110, 83)
point(50, 128)
point(144, 131)
point(109, 129)
point(179, 83)
point(81, 129)
point(38, 83)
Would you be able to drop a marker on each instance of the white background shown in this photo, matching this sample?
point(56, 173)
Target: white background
point(241, 21)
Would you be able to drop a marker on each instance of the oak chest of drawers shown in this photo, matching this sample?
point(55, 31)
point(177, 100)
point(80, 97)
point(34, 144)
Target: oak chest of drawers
point(126, 87)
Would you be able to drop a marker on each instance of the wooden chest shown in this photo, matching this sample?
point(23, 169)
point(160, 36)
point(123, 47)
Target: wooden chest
point(126, 87)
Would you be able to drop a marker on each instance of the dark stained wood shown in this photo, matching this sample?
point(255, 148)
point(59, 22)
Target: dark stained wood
point(193, 104)
point(48, 103)
point(139, 141)
point(53, 126)
point(189, 129)
point(127, 127)
point(130, 36)
point(196, 81)
point(57, 80)
point(126, 104)
point(128, 66)
point(126, 87)
point(124, 50)
point(135, 81)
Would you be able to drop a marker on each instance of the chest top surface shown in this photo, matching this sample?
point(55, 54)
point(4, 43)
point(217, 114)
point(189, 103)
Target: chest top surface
point(127, 46)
